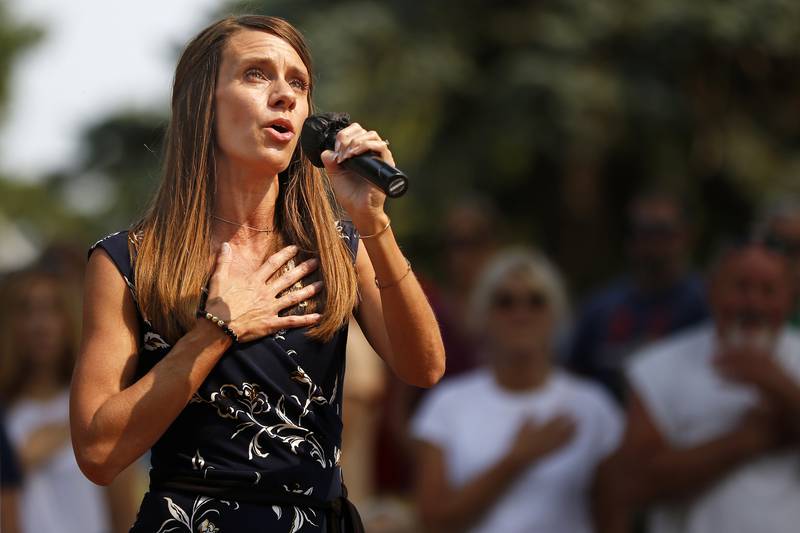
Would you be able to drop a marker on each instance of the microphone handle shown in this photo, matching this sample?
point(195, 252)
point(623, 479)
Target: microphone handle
point(380, 173)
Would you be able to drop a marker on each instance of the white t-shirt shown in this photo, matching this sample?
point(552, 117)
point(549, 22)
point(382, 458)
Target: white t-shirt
point(56, 496)
point(691, 404)
point(475, 422)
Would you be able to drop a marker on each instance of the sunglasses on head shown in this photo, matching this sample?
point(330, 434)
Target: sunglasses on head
point(506, 300)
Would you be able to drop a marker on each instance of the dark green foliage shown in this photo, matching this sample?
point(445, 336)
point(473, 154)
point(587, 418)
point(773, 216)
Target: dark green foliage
point(558, 110)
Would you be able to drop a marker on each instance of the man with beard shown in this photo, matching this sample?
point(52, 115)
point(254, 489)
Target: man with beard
point(714, 412)
point(658, 297)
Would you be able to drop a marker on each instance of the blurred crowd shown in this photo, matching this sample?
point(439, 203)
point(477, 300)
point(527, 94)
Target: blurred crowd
point(667, 401)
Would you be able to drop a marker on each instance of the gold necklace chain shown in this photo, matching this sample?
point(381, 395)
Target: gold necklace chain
point(261, 230)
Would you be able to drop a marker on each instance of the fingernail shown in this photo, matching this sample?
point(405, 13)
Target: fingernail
point(314, 316)
point(313, 262)
point(226, 248)
point(317, 285)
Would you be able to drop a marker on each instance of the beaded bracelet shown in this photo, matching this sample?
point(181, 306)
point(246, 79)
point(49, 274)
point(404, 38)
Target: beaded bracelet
point(397, 281)
point(201, 313)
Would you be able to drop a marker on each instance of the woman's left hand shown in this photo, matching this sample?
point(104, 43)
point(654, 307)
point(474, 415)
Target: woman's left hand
point(360, 198)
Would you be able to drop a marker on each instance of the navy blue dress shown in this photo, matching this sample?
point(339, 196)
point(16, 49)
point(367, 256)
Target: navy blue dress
point(267, 417)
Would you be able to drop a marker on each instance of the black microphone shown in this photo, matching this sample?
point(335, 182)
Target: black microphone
point(319, 134)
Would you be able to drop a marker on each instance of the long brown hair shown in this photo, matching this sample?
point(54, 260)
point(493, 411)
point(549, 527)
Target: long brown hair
point(172, 245)
point(15, 293)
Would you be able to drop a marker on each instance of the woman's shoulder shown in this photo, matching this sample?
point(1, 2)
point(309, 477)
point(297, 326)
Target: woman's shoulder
point(116, 245)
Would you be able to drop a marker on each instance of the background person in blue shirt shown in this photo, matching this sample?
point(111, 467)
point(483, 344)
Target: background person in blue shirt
point(658, 296)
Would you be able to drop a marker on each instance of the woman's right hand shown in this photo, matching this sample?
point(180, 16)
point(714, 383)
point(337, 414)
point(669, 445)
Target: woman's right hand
point(250, 305)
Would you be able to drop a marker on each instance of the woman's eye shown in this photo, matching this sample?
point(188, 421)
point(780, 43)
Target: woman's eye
point(255, 73)
point(298, 84)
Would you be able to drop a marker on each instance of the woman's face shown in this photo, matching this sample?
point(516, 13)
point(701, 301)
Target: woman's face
point(41, 326)
point(261, 102)
point(521, 320)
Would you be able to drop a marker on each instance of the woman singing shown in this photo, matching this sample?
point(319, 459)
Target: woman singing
point(214, 330)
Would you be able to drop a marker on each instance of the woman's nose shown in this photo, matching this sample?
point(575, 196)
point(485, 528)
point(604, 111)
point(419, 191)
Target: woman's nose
point(282, 95)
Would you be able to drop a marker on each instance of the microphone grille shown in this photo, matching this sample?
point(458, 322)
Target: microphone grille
point(319, 134)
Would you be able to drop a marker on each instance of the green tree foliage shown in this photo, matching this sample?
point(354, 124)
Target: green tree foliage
point(561, 109)
point(17, 201)
point(117, 171)
point(14, 39)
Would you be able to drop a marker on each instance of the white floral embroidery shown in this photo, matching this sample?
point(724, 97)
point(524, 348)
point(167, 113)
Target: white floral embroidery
point(314, 392)
point(335, 389)
point(249, 405)
point(208, 527)
point(340, 230)
point(198, 463)
point(300, 516)
point(199, 520)
point(132, 288)
point(337, 458)
point(153, 341)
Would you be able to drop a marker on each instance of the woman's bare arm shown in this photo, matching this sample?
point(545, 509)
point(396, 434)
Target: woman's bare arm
point(445, 509)
point(663, 471)
point(115, 419)
point(398, 321)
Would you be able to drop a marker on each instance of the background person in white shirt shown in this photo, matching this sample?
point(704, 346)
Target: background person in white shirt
point(514, 446)
point(37, 348)
point(712, 426)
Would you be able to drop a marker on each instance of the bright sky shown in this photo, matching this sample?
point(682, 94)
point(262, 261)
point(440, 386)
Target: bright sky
point(97, 56)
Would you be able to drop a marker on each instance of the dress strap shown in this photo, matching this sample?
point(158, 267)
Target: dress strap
point(349, 234)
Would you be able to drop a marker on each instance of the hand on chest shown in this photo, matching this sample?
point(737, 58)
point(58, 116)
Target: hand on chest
point(492, 429)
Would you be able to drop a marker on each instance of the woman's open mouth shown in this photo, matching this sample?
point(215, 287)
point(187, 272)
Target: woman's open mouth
point(280, 131)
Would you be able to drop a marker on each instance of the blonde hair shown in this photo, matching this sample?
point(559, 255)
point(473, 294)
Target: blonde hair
point(172, 245)
point(519, 260)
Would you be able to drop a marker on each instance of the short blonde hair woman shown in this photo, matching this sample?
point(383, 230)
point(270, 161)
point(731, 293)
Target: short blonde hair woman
point(237, 392)
point(514, 446)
